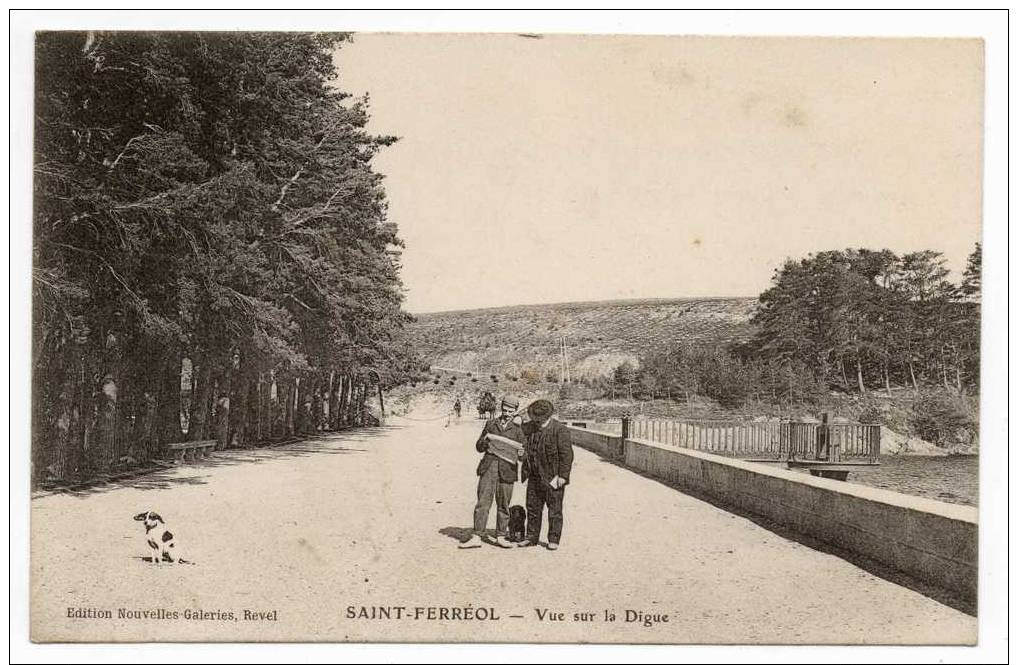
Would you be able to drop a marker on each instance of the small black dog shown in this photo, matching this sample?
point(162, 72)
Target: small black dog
point(517, 524)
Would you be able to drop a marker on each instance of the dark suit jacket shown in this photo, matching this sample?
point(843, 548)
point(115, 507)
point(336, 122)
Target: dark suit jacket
point(507, 472)
point(549, 452)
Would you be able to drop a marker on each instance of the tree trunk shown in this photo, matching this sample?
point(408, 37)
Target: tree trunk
point(222, 422)
point(301, 412)
point(104, 440)
point(334, 400)
point(66, 449)
point(277, 412)
point(317, 405)
point(288, 389)
point(350, 416)
point(887, 380)
point(201, 400)
point(252, 411)
point(186, 398)
point(362, 396)
point(86, 420)
point(259, 387)
point(167, 403)
point(355, 404)
point(327, 402)
point(344, 395)
point(351, 403)
point(858, 376)
point(105, 452)
point(240, 406)
point(295, 404)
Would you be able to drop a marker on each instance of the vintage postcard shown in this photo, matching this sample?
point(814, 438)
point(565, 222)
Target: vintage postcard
point(505, 338)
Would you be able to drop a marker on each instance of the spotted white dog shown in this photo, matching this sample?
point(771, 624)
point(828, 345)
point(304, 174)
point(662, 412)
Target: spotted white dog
point(159, 538)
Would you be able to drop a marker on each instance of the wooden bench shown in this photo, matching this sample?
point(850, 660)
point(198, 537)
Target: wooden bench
point(196, 448)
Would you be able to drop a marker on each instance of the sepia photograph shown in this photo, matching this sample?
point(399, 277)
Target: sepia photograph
point(511, 337)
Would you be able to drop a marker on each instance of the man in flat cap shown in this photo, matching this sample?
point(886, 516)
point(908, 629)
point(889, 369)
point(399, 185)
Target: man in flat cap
point(548, 459)
point(496, 475)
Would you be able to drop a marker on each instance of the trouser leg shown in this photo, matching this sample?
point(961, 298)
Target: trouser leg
point(555, 500)
point(503, 495)
point(486, 484)
point(535, 508)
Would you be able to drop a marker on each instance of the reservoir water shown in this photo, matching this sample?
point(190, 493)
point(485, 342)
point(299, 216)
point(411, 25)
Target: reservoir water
point(953, 479)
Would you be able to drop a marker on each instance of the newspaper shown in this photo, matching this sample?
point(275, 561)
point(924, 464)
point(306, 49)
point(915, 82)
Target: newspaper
point(504, 448)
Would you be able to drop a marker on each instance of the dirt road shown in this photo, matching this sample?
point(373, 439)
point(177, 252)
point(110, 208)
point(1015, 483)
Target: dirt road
point(313, 540)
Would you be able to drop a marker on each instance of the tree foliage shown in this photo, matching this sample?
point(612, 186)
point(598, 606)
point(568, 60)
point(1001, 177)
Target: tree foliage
point(859, 318)
point(208, 196)
point(850, 320)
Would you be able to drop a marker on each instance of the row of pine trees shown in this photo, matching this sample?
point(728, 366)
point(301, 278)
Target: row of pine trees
point(851, 321)
point(211, 256)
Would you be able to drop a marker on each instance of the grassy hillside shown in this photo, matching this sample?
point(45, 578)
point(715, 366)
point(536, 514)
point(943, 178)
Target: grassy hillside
point(519, 347)
point(524, 340)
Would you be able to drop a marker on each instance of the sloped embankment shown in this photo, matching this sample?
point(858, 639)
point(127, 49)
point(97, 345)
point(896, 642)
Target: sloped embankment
point(526, 339)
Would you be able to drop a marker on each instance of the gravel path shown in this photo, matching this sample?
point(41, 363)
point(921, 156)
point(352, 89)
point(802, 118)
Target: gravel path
point(317, 536)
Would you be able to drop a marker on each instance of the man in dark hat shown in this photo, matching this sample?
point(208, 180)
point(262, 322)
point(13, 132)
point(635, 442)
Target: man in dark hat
point(496, 476)
point(548, 455)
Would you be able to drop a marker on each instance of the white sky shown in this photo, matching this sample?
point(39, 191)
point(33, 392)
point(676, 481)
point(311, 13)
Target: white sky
point(589, 168)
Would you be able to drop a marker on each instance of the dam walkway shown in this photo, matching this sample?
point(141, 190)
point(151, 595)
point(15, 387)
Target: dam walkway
point(326, 539)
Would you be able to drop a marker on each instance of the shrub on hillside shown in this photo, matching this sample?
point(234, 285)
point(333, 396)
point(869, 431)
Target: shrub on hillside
point(895, 414)
point(530, 376)
point(872, 413)
point(944, 419)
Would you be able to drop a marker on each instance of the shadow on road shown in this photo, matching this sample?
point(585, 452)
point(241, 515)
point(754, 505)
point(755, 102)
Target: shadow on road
point(459, 533)
point(871, 566)
point(164, 475)
point(151, 559)
point(462, 533)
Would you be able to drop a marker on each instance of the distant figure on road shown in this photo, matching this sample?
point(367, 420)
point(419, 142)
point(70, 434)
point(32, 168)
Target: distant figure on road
point(495, 476)
point(457, 407)
point(486, 406)
point(548, 454)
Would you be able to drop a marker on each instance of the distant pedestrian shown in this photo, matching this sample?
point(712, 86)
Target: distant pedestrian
point(457, 407)
point(548, 460)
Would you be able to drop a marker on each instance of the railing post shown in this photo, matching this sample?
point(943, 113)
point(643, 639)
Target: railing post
point(626, 421)
point(822, 439)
